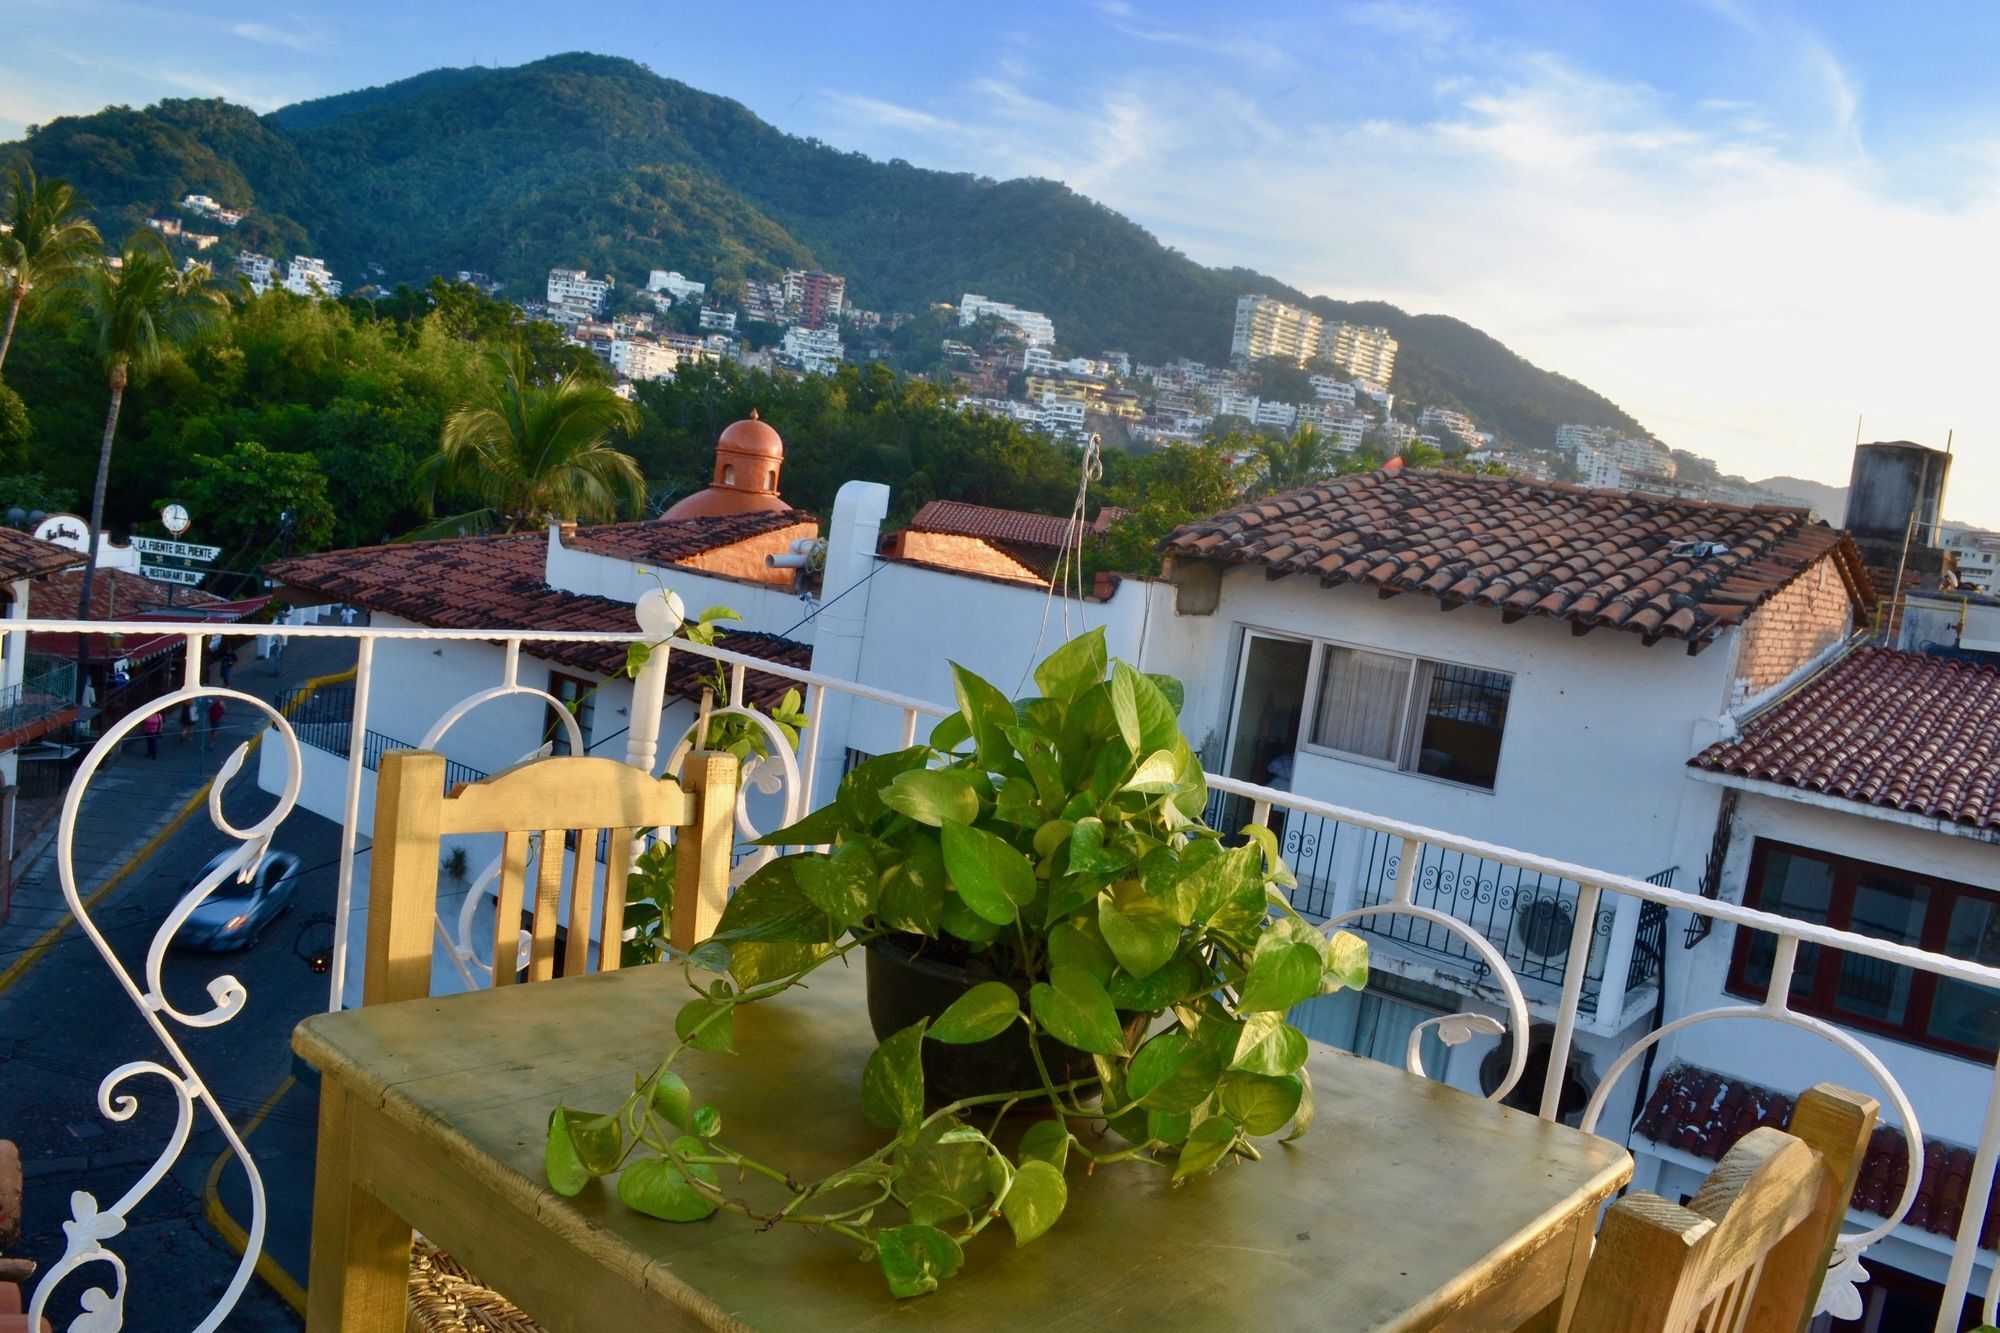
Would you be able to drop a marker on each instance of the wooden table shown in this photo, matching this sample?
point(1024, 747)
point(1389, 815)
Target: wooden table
point(1409, 1205)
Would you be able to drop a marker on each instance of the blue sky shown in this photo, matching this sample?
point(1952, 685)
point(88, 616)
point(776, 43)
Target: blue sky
point(1748, 223)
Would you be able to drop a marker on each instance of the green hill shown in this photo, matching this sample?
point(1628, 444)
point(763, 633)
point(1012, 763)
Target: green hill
point(595, 161)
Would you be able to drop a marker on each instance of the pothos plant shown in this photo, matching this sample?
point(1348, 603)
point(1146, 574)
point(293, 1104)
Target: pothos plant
point(1056, 845)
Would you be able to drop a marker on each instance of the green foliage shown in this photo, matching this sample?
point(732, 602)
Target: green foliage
point(244, 494)
point(1054, 844)
point(1160, 491)
point(528, 452)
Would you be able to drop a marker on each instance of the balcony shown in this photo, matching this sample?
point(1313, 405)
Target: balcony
point(1530, 933)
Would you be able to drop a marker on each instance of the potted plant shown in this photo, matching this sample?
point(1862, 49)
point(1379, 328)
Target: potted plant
point(1048, 925)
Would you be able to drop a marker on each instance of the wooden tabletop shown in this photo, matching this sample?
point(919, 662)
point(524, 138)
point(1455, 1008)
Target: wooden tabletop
point(1404, 1206)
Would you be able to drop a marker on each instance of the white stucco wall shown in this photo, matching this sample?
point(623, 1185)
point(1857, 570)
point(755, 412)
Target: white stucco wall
point(1599, 728)
point(922, 620)
point(1949, 1092)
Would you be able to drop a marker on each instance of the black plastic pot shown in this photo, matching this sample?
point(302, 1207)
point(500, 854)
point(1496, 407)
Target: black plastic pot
point(904, 987)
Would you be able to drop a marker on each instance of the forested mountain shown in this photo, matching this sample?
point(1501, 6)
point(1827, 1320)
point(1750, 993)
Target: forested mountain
point(595, 161)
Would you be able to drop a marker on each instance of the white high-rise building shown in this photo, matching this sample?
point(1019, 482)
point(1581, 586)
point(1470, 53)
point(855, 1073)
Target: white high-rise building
point(578, 292)
point(1363, 351)
point(1033, 325)
point(1267, 327)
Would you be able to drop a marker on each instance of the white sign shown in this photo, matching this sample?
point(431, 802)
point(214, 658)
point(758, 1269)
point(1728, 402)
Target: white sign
point(158, 546)
point(65, 530)
point(174, 518)
point(187, 578)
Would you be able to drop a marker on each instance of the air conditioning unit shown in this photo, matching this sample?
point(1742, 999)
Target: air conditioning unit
point(1541, 926)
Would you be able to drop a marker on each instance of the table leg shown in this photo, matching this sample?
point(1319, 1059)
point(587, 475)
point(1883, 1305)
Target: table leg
point(360, 1274)
point(1582, 1234)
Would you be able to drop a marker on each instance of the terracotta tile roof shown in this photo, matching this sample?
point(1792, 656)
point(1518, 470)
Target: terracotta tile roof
point(497, 583)
point(1660, 567)
point(115, 594)
point(1702, 1112)
point(1894, 729)
point(25, 557)
point(1011, 527)
point(664, 541)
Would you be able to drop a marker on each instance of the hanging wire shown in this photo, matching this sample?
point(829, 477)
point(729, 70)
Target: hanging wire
point(1066, 574)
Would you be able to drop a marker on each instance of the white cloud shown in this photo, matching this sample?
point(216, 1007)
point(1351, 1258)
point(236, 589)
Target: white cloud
point(299, 37)
point(1742, 290)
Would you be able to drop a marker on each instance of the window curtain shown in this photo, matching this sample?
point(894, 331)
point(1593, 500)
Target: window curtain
point(1362, 697)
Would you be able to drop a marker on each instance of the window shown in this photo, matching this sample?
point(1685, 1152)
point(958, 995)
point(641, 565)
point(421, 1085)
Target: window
point(576, 696)
point(1885, 904)
point(1435, 718)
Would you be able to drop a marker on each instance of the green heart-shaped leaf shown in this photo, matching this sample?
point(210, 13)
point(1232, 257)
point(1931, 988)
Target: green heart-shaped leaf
point(1034, 1201)
point(978, 1015)
point(1074, 1009)
point(892, 1082)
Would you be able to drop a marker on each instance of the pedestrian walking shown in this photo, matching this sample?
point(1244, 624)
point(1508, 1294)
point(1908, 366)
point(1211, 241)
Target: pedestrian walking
point(228, 668)
point(187, 721)
point(216, 712)
point(151, 728)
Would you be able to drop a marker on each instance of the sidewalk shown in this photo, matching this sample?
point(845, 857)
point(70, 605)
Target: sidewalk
point(134, 803)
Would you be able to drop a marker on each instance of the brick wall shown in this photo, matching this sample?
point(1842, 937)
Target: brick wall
point(971, 554)
point(1809, 616)
point(745, 559)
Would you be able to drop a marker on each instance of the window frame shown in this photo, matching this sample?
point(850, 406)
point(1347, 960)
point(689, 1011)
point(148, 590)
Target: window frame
point(1411, 730)
point(1943, 895)
point(586, 714)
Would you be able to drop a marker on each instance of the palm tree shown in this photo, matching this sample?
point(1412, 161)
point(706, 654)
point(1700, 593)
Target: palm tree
point(133, 316)
point(46, 242)
point(1302, 458)
point(529, 451)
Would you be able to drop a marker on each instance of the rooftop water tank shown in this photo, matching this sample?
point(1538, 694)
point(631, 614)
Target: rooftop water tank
point(1891, 481)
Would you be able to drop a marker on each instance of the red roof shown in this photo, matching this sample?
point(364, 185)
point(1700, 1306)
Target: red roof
point(1659, 567)
point(118, 594)
point(1013, 527)
point(665, 541)
point(497, 583)
point(1702, 1112)
point(25, 557)
point(1889, 728)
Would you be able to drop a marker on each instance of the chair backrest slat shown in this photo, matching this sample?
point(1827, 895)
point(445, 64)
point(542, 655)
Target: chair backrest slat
point(1749, 1251)
point(540, 802)
point(507, 907)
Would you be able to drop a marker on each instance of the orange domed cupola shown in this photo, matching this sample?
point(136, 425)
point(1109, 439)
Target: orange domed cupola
point(748, 456)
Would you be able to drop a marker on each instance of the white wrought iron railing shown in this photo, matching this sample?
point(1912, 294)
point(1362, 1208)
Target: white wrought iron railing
point(1398, 852)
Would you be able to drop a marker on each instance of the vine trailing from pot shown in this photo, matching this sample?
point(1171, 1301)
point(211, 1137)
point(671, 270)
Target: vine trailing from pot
point(1035, 885)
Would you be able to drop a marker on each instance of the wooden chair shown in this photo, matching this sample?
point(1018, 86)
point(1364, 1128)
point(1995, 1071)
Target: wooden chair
point(1749, 1251)
point(551, 797)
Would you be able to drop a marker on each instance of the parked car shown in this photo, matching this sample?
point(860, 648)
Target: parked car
point(236, 913)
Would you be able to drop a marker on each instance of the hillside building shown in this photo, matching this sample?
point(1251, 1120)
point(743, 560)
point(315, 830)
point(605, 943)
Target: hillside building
point(1267, 327)
point(674, 285)
point(260, 271)
point(575, 292)
point(1038, 329)
point(1364, 351)
point(307, 276)
point(814, 298)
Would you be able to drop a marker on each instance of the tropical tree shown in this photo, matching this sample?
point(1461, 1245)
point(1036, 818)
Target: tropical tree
point(528, 451)
point(46, 242)
point(132, 316)
point(1300, 459)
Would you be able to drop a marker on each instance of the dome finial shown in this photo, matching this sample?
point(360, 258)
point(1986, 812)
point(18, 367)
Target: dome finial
point(754, 416)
